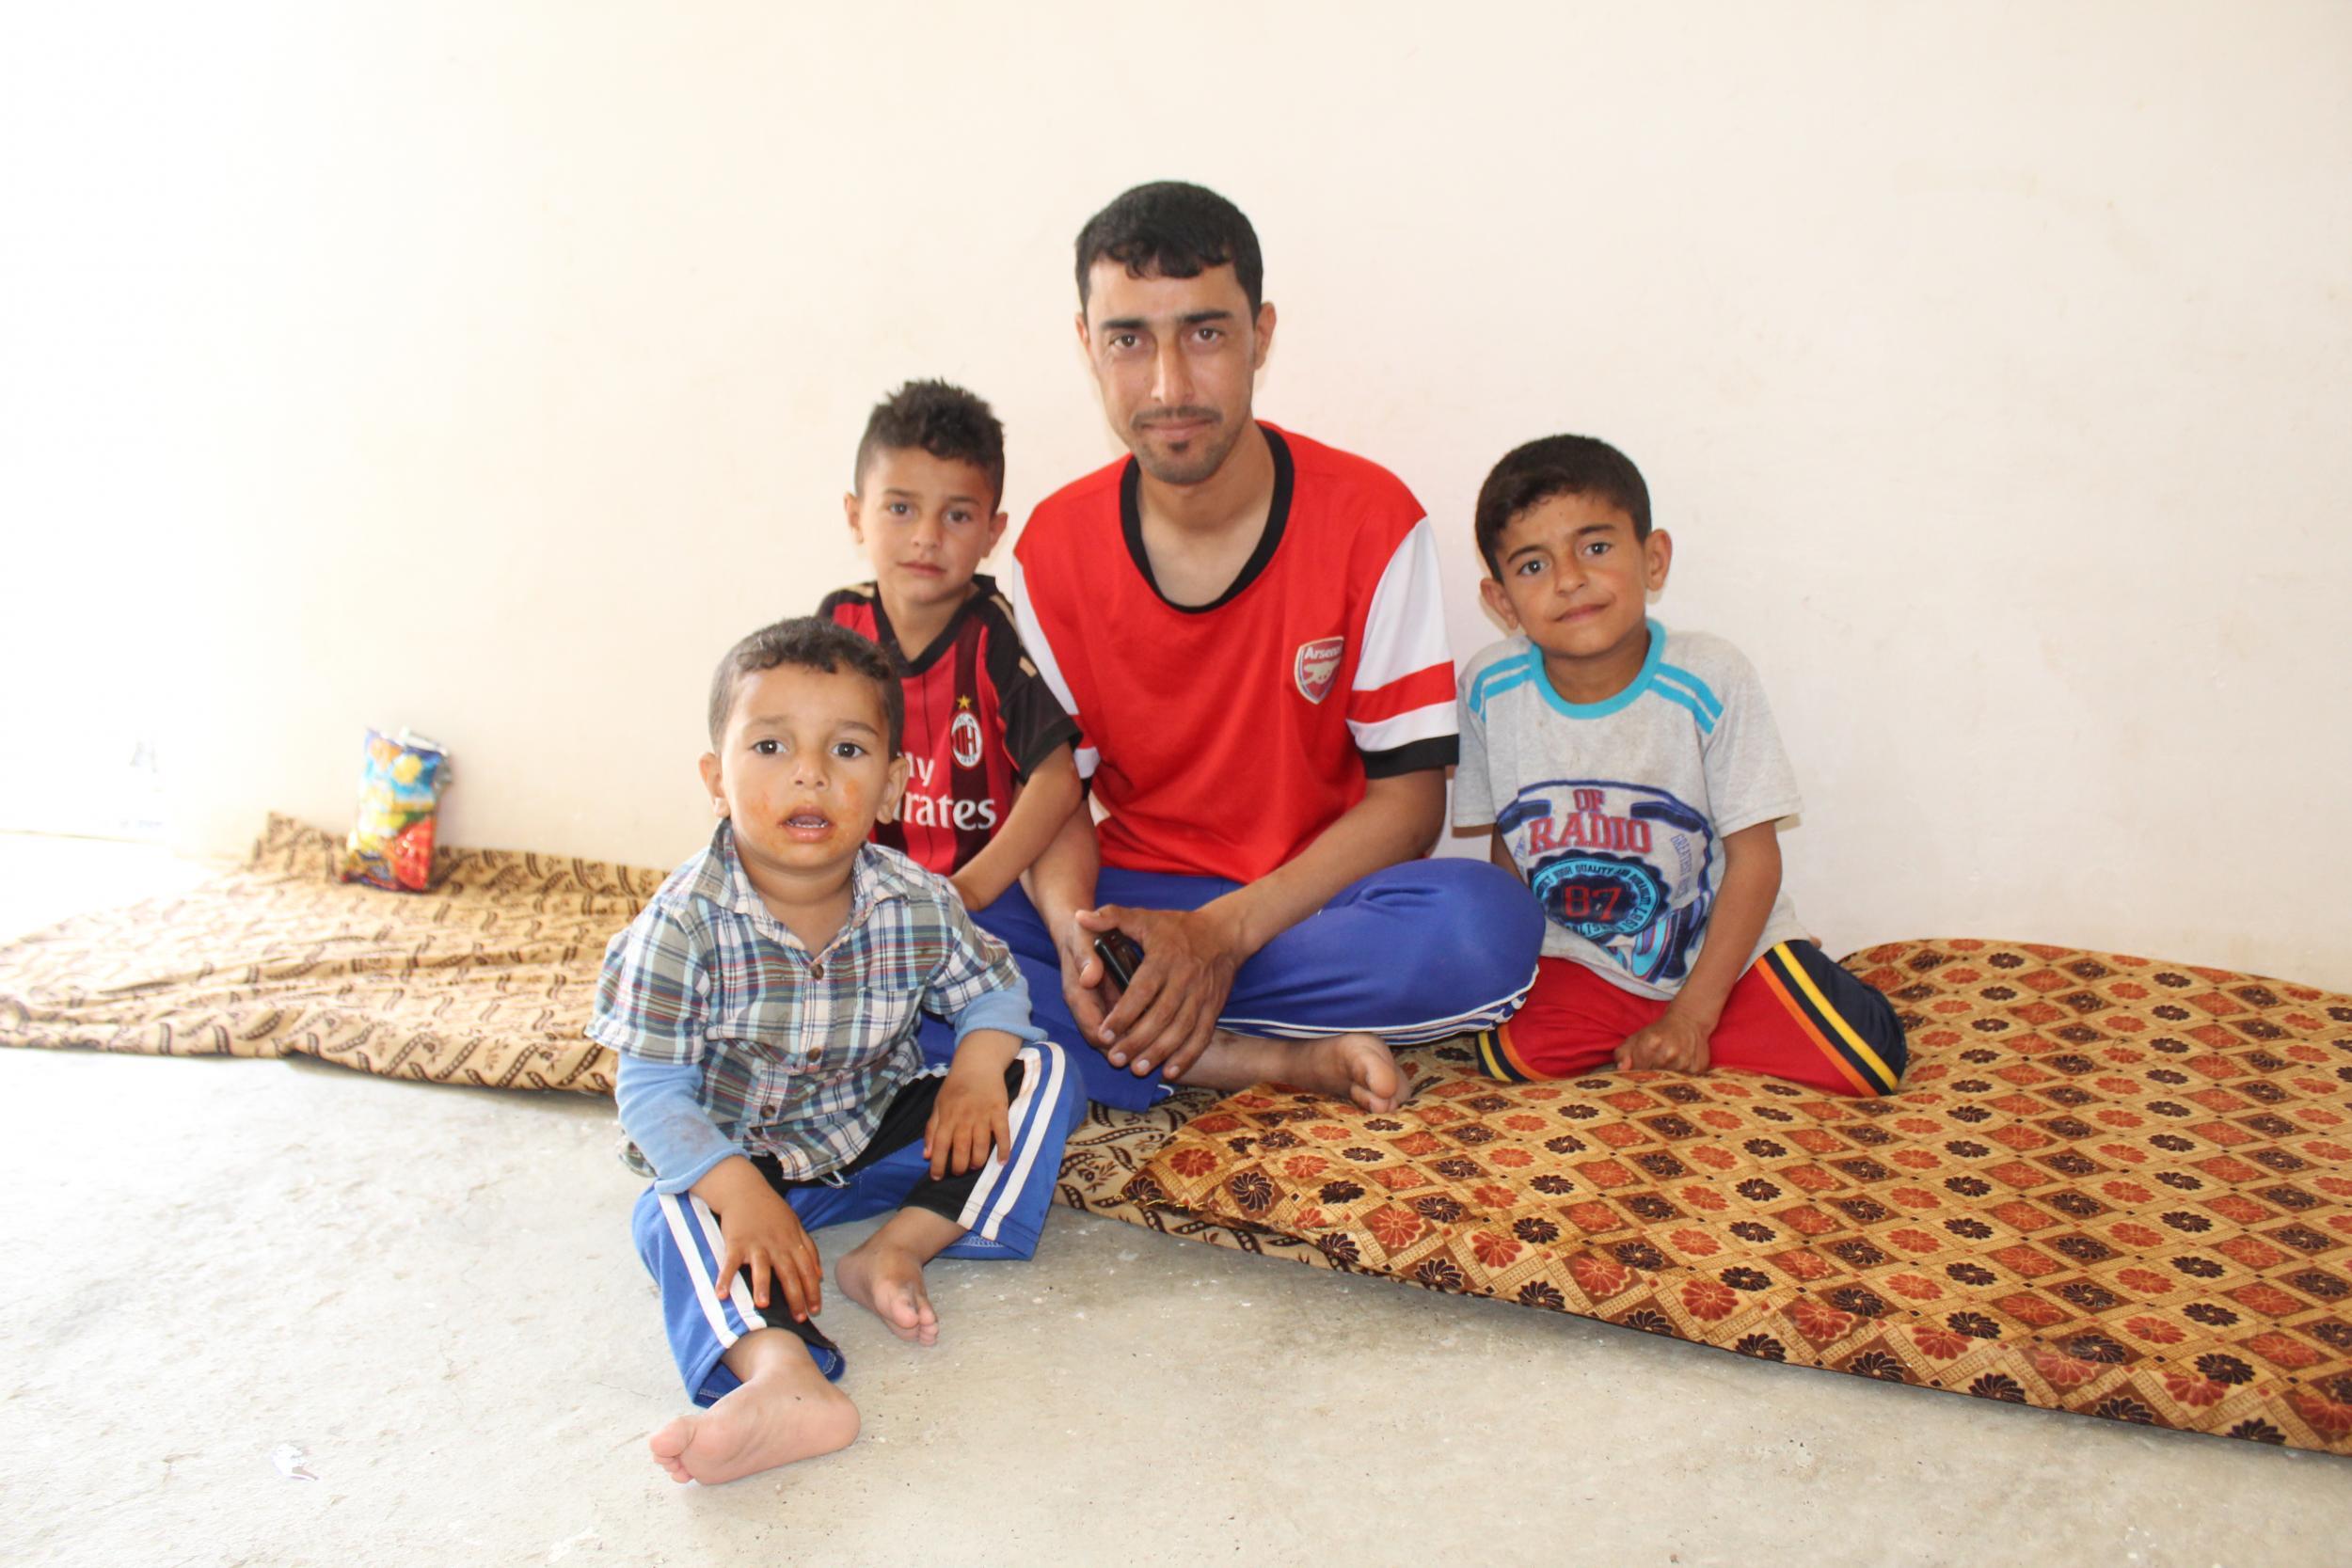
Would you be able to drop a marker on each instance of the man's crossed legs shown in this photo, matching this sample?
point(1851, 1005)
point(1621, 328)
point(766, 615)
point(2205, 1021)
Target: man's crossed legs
point(1410, 954)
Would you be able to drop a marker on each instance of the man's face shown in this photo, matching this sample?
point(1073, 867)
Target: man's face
point(1174, 358)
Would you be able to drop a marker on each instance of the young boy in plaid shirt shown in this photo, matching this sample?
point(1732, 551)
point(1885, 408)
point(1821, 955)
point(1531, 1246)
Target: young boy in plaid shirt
point(764, 1006)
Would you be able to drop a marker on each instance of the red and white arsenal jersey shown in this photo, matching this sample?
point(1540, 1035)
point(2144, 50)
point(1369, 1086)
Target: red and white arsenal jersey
point(1223, 739)
point(979, 719)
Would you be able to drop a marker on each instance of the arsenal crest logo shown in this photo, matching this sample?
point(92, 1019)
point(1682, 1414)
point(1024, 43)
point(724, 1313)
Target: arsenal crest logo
point(963, 739)
point(1318, 662)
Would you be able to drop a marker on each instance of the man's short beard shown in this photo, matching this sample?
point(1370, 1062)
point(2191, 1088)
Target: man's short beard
point(1208, 455)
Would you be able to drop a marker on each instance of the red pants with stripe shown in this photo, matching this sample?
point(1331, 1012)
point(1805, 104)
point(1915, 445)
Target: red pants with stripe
point(1794, 1015)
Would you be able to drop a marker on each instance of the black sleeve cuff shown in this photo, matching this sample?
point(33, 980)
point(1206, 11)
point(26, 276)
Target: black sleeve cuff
point(1437, 752)
point(1062, 731)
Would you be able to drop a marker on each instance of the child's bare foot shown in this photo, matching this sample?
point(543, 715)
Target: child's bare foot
point(783, 1413)
point(1353, 1066)
point(887, 1280)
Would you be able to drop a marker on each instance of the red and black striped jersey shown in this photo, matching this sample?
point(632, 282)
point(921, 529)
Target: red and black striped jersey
point(979, 719)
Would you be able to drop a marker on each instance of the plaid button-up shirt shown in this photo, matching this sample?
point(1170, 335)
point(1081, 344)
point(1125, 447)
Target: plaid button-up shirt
point(801, 1052)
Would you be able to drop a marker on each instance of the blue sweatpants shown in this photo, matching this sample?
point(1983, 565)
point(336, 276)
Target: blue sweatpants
point(1004, 1213)
point(1412, 953)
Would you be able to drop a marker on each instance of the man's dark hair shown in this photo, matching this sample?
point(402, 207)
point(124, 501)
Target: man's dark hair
point(807, 643)
point(1172, 229)
point(944, 421)
point(1531, 475)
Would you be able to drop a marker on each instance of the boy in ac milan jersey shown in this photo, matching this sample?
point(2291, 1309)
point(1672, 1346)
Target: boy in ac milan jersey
point(991, 776)
point(1246, 625)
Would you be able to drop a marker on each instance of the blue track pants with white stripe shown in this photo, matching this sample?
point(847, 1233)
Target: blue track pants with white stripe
point(1002, 1208)
point(1412, 953)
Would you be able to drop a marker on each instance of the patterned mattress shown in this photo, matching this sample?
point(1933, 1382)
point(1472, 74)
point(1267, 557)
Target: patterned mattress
point(2111, 1185)
point(486, 979)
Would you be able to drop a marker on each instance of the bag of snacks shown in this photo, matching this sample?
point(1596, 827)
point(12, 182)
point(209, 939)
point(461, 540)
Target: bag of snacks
point(400, 790)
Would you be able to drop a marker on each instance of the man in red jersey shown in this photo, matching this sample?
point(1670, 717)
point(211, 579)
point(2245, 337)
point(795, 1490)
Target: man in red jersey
point(1246, 625)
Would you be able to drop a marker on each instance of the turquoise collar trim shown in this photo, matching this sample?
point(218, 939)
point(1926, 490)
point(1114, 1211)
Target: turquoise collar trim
point(1607, 705)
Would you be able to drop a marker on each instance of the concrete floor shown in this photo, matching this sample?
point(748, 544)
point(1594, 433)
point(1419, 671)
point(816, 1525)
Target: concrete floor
point(431, 1293)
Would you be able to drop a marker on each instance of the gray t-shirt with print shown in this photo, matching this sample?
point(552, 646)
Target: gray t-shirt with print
point(1615, 811)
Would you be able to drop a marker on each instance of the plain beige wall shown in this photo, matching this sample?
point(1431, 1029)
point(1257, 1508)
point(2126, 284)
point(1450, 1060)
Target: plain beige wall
point(488, 368)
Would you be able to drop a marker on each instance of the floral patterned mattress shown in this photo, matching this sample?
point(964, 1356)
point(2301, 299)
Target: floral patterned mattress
point(2109, 1185)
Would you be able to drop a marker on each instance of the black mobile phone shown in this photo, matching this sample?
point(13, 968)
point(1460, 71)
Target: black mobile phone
point(1121, 957)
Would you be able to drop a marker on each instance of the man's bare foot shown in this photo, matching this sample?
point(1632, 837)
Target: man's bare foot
point(886, 1279)
point(1344, 1067)
point(784, 1413)
point(1353, 1066)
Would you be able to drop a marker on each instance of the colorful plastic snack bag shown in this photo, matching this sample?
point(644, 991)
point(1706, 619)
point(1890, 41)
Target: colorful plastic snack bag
point(400, 790)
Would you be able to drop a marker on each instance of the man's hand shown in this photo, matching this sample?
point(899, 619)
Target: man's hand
point(969, 1116)
point(1168, 1015)
point(1676, 1043)
point(1082, 979)
point(763, 1235)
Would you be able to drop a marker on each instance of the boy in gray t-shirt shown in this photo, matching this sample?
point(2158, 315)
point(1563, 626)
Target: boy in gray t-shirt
point(1633, 777)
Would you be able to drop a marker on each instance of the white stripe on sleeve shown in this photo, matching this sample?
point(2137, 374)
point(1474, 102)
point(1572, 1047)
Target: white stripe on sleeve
point(1435, 721)
point(1405, 628)
point(1040, 651)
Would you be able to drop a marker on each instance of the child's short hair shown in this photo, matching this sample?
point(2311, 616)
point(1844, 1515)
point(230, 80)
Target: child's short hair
point(806, 642)
point(1531, 475)
point(943, 420)
point(1175, 230)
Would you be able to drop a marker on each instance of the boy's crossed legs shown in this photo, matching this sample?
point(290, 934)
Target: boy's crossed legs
point(1795, 1015)
point(766, 1380)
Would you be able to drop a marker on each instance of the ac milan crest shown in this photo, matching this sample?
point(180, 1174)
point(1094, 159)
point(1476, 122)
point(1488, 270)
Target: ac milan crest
point(963, 738)
point(1318, 663)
